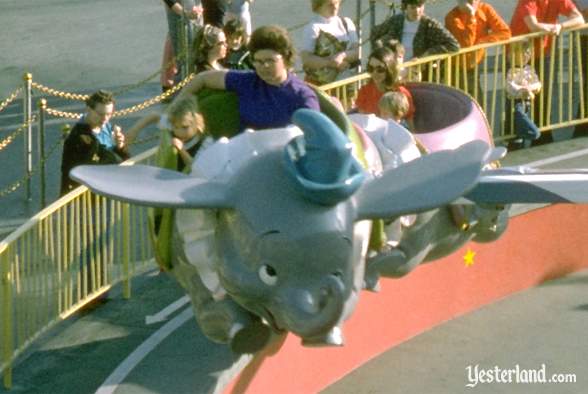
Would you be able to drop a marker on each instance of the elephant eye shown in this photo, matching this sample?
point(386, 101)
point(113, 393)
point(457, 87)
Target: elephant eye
point(268, 275)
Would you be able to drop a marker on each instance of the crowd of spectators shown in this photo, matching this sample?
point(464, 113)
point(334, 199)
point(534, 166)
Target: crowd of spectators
point(257, 64)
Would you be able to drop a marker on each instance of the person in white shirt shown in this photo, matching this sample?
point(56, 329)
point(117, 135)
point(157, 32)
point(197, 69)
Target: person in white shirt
point(330, 44)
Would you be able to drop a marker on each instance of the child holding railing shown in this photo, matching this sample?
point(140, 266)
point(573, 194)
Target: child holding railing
point(522, 84)
point(183, 132)
point(182, 136)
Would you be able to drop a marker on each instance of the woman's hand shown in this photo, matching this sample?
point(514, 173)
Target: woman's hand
point(339, 61)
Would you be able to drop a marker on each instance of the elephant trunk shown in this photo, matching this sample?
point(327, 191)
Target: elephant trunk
point(315, 317)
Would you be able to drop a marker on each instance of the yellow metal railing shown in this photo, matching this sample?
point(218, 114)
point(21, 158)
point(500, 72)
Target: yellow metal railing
point(561, 103)
point(64, 257)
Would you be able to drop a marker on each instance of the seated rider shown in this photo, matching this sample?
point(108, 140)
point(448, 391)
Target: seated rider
point(182, 136)
point(383, 67)
point(394, 106)
point(269, 95)
point(183, 130)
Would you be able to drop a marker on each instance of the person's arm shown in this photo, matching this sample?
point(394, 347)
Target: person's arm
point(574, 19)
point(463, 30)
point(513, 89)
point(351, 54)
point(213, 79)
point(135, 129)
point(535, 26)
point(313, 61)
point(439, 39)
point(534, 84)
point(308, 99)
point(499, 30)
point(339, 60)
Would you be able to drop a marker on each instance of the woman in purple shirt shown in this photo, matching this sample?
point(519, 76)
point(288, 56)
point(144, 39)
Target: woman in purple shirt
point(269, 95)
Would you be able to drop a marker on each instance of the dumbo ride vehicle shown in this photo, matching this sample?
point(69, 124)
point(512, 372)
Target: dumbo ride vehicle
point(279, 230)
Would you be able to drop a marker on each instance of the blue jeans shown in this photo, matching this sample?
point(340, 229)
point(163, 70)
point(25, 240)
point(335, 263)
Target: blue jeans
point(524, 127)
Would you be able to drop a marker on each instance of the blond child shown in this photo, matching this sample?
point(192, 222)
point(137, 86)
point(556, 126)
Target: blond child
point(522, 85)
point(182, 134)
point(394, 106)
point(182, 125)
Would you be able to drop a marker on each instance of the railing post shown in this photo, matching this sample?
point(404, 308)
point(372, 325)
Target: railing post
point(372, 14)
point(28, 145)
point(185, 43)
point(7, 315)
point(126, 250)
point(42, 108)
point(358, 27)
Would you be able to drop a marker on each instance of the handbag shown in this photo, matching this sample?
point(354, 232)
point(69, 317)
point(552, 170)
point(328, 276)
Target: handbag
point(327, 44)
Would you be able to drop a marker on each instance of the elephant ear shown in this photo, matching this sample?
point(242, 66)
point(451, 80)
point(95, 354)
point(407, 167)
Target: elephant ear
point(530, 186)
point(431, 181)
point(152, 186)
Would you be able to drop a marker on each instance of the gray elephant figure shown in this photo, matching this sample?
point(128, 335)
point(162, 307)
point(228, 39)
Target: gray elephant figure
point(272, 227)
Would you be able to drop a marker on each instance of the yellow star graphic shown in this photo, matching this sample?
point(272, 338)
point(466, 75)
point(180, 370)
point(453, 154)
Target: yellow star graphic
point(468, 258)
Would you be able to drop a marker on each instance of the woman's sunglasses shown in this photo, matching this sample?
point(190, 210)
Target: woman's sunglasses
point(377, 69)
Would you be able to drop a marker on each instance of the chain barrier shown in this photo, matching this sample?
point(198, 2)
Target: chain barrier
point(154, 100)
point(63, 114)
point(16, 185)
point(137, 84)
point(59, 93)
point(126, 111)
point(8, 140)
point(180, 58)
point(10, 99)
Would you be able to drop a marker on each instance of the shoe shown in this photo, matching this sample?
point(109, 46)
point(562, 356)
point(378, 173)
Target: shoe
point(516, 144)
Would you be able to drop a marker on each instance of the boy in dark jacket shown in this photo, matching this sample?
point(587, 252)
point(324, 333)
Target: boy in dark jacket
point(93, 140)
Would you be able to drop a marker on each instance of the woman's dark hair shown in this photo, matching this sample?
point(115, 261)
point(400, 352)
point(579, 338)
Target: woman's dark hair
point(100, 97)
point(274, 38)
point(388, 57)
point(418, 3)
point(204, 41)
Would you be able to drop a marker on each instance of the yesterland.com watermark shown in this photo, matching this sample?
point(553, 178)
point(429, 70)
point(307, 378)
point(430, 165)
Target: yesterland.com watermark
point(477, 375)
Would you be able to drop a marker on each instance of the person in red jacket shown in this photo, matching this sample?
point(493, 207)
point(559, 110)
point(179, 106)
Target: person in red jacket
point(474, 22)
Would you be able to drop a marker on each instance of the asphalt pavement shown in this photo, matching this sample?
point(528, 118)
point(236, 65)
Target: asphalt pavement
point(82, 45)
